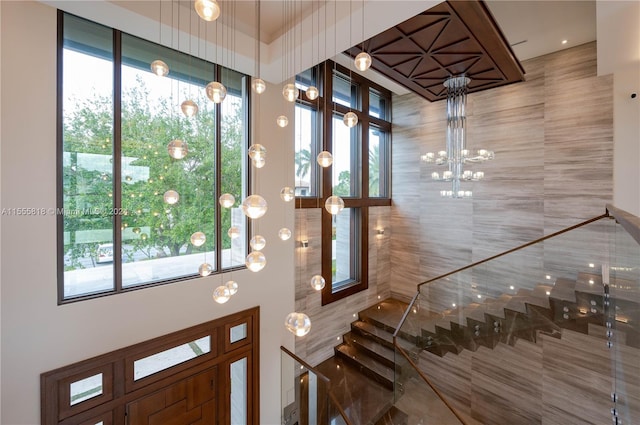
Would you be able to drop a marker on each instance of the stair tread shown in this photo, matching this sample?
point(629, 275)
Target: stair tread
point(542, 292)
point(388, 312)
point(370, 363)
point(589, 283)
point(564, 290)
point(496, 306)
point(393, 416)
point(457, 316)
point(352, 338)
point(517, 302)
point(535, 298)
point(476, 311)
point(382, 334)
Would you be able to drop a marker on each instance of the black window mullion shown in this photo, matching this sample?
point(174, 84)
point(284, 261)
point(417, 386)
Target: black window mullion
point(60, 153)
point(117, 159)
point(218, 177)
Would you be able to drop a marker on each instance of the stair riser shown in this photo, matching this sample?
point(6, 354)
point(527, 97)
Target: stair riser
point(376, 338)
point(380, 358)
point(366, 371)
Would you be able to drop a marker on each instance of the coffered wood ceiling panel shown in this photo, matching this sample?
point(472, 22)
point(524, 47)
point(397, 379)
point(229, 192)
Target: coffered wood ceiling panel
point(452, 38)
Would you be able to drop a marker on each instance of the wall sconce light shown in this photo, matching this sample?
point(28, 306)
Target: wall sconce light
point(380, 231)
point(304, 243)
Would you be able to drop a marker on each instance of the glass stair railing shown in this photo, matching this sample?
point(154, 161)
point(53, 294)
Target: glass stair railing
point(306, 397)
point(548, 332)
point(545, 333)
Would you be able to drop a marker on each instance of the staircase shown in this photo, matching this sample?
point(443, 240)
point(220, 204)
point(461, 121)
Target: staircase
point(577, 305)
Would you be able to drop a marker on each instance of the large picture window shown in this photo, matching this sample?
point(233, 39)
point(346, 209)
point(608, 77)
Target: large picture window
point(359, 173)
point(117, 230)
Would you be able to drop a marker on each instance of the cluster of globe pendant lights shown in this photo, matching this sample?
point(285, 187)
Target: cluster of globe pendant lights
point(254, 206)
point(299, 323)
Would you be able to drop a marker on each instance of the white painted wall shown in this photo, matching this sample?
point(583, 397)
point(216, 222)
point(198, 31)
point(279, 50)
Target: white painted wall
point(618, 28)
point(37, 334)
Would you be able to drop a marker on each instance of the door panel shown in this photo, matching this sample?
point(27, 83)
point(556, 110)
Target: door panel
point(188, 402)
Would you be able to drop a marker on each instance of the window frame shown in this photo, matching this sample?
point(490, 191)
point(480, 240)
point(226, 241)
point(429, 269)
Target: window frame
point(361, 202)
point(116, 155)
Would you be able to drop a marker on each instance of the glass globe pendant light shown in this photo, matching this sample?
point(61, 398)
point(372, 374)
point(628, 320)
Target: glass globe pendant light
point(257, 152)
point(209, 10)
point(159, 68)
point(325, 159)
point(216, 92)
point(350, 119)
point(254, 206)
point(258, 242)
point(189, 108)
point(255, 261)
point(198, 239)
point(259, 163)
point(205, 269)
point(227, 200)
point(312, 93)
point(171, 197)
point(287, 194)
point(317, 282)
point(258, 85)
point(232, 286)
point(290, 92)
point(233, 232)
point(221, 294)
point(282, 121)
point(177, 149)
point(284, 234)
point(334, 204)
point(298, 324)
point(362, 61)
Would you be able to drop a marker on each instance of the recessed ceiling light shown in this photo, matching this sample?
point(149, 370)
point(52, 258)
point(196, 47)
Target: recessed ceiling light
point(565, 41)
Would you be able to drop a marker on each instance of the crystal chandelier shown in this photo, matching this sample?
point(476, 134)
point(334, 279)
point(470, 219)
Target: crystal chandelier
point(457, 155)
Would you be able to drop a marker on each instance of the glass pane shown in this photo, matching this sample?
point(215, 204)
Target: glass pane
point(304, 80)
point(233, 154)
point(171, 357)
point(87, 157)
point(345, 157)
point(306, 169)
point(343, 247)
point(85, 389)
point(378, 163)
point(238, 333)
point(239, 392)
point(156, 234)
point(377, 105)
point(303, 394)
point(344, 92)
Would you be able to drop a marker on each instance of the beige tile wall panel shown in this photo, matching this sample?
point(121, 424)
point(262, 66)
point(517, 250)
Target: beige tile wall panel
point(552, 136)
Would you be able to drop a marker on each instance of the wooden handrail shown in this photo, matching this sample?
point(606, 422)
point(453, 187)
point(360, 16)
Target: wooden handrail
point(307, 365)
point(628, 221)
point(428, 382)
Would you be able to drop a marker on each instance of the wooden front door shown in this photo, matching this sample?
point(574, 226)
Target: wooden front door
point(203, 375)
point(191, 401)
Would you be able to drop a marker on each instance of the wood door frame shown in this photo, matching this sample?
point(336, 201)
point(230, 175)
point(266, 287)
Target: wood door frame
point(119, 388)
